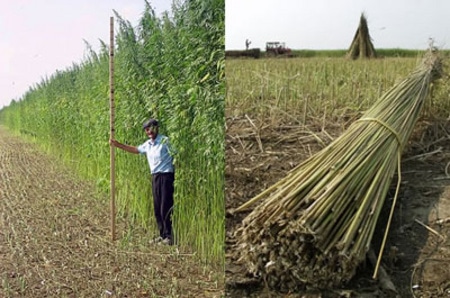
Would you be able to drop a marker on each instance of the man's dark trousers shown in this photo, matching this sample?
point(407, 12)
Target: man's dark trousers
point(162, 189)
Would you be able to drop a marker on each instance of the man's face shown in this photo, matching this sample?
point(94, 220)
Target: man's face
point(151, 131)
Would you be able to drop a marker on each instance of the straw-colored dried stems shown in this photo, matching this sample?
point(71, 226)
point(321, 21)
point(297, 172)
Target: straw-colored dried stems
point(316, 225)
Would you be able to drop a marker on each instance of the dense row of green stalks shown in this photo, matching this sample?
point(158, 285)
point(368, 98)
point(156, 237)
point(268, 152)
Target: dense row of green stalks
point(382, 53)
point(339, 53)
point(170, 67)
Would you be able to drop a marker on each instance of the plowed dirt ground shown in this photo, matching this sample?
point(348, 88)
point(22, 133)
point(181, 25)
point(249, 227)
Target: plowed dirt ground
point(417, 254)
point(55, 239)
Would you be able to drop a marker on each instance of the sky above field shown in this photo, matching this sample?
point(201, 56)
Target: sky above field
point(328, 24)
point(39, 37)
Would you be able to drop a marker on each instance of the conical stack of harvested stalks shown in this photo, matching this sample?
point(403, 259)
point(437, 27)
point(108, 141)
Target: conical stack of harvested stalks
point(362, 46)
point(315, 225)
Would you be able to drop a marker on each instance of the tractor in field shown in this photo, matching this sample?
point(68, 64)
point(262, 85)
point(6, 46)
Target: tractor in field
point(275, 48)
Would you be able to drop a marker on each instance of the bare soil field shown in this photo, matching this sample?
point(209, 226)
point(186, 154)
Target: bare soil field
point(55, 239)
point(417, 253)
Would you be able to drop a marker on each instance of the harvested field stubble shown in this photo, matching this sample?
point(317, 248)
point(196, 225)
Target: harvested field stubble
point(55, 241)
point(264, 133)
point(316, 225)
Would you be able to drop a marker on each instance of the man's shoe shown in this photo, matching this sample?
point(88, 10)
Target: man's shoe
point(156, 240)
point(167, 241)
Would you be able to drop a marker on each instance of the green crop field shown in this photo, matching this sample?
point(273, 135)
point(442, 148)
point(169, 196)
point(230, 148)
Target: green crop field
point(168, 67)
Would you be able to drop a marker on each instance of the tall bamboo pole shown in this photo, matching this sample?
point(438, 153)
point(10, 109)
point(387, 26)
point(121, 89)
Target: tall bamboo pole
point(111, 129)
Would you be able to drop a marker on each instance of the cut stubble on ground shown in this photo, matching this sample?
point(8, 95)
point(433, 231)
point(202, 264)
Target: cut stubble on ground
point(55, 239)
point(415, 258)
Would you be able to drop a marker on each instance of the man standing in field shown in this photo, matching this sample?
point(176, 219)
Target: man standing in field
point(160, 160)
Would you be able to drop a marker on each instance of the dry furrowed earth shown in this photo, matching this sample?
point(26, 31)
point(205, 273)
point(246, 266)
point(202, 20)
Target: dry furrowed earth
point(55, 239)
point(417, 253)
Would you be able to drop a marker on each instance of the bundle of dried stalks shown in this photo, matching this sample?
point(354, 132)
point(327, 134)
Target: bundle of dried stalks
point(315, 225)
point(362, 46)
